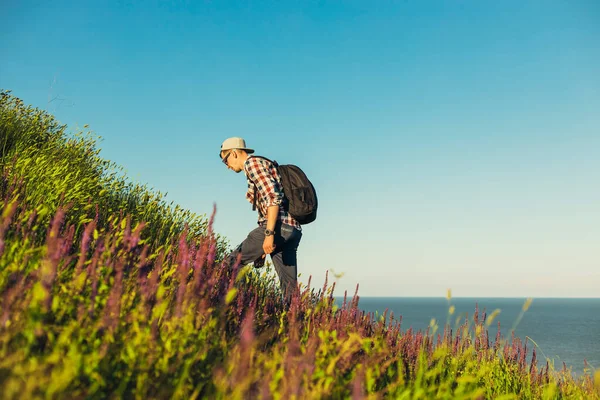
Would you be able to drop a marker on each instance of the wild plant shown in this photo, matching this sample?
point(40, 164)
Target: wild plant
point(107, 293)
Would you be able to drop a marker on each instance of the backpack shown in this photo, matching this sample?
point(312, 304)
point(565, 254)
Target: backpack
point(300, 194)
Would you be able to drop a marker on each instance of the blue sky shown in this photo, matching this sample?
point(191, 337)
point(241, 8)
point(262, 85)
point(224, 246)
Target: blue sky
point(453, 144)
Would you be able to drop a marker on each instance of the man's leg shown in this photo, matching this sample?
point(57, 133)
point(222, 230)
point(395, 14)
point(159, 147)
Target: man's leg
point(285, 259)
point(250, 249)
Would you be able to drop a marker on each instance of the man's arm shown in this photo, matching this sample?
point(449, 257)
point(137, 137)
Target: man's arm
point(272, 216)
point(269, 242)
point(267, 189)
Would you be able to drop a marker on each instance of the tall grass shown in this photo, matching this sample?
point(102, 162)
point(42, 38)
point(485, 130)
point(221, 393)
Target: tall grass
point(49, 168)
point(106, 294)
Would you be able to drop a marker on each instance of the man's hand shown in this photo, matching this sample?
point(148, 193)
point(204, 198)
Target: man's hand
point(268, 244)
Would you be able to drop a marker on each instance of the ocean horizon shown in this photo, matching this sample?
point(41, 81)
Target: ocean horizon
point(564, 329)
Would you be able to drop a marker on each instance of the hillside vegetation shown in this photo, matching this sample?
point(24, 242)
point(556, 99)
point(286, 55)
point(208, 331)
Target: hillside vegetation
point(108, 291)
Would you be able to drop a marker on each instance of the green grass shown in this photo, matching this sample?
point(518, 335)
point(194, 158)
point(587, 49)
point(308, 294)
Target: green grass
point(108, 291)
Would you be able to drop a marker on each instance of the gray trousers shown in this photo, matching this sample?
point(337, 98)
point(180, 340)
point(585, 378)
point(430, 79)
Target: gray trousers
point(284, 257)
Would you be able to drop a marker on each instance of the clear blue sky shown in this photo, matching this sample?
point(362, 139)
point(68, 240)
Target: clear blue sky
point(453, 144)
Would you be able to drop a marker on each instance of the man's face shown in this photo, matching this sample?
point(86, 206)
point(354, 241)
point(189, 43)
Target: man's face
point(231, 160)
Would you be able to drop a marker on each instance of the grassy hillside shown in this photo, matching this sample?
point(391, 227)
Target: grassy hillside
point(108, 291)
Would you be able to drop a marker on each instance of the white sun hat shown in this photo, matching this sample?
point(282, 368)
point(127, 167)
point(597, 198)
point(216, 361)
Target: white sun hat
point(235, 143)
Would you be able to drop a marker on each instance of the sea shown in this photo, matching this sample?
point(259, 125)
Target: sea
point(564, 329)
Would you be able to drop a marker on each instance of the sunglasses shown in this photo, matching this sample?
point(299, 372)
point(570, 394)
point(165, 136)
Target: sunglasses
point(226, 157)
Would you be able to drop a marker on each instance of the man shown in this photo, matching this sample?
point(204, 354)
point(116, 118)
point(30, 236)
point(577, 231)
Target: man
point(278, 233)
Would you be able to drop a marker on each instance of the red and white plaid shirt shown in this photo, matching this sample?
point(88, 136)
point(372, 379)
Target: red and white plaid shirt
point(269, 187)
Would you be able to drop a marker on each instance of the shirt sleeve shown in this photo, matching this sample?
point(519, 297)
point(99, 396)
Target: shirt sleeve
point(266, 184)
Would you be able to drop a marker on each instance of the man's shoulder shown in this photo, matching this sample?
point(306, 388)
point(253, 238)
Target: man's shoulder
point(255, 161)
point(253, 165)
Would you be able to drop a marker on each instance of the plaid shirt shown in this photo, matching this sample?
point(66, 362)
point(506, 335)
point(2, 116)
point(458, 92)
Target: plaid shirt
point(270, 190)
